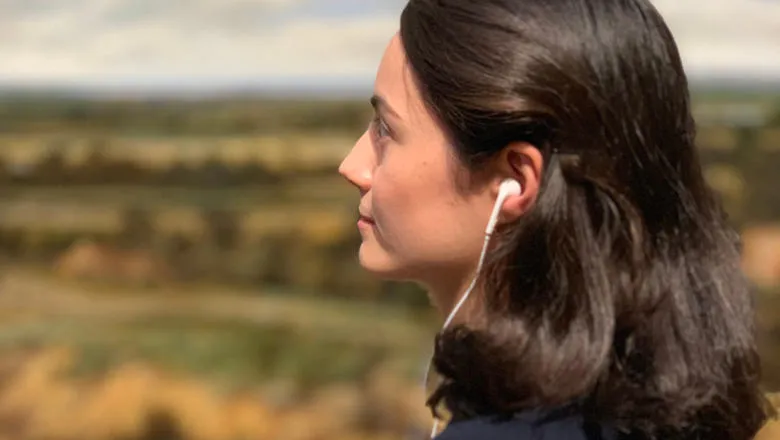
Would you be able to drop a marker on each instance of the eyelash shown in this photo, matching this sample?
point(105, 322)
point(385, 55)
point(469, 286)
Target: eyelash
point(377, 127)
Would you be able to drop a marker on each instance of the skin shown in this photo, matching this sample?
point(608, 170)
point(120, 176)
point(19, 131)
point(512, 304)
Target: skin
point(419, 223)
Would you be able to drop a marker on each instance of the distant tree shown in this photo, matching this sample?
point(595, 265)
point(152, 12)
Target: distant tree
point(214, 173)
point(244, 124)
point(177, 250)
point(52, 168)
point(77, 113)
point(222, 227)
point(273, 254)
point(253, 172)
point(177, 174)
point(774, 116)
point(11, 242)
point(137, 227)
point(127, 172)
point(94, 169)
point(161, 425)
point(353, 117)
point(5, 171)
point(761, 181)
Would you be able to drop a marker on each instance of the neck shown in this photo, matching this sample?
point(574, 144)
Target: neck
point(446, 294)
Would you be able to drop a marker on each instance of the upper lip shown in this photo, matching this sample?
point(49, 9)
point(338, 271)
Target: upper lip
point(365, 217)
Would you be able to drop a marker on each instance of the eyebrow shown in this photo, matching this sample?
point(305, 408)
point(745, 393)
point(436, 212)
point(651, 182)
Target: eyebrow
point(380, 103)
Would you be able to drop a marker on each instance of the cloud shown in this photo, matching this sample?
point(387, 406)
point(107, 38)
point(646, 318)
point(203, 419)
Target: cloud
point(50, 40)
point(726, 37)
point(321, 40)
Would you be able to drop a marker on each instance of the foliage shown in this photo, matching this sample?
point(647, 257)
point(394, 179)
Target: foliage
point(774, 116)
point(206, 117)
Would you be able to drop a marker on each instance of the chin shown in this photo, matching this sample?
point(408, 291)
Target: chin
point(381, 265)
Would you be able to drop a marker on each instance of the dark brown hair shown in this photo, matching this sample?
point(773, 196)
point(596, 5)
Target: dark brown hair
point(620, 294)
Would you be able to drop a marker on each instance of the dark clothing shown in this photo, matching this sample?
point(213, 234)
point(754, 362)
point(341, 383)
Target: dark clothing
point(526, 426)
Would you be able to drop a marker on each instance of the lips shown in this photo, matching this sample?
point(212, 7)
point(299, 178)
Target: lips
point(365, 219)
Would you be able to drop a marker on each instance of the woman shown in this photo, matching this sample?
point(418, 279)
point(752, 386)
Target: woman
point(610, 304)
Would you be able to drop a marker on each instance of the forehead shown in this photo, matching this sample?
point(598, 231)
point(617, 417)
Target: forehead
point(395, 82)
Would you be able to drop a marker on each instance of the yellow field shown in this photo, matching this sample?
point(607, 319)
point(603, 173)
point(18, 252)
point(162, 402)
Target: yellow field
point(84, 361)
point(88, 361)
point(137, 401)
point(299, 152)
point(278, 153)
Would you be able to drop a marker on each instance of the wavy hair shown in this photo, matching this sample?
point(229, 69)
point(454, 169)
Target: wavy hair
point(620, 294)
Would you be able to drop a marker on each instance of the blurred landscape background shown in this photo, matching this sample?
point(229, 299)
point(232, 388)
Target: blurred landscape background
point(178, 252)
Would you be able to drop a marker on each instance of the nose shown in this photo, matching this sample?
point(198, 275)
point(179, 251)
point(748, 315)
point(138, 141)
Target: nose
point(358, 166)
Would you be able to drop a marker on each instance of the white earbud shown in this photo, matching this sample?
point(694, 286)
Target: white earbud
point(509, 187)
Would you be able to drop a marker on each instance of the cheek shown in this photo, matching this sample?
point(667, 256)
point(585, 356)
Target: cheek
point(396, 199)
point(420, 218)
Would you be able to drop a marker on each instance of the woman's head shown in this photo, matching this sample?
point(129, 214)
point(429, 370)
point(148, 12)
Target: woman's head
point(424, 225)
point(614, 283)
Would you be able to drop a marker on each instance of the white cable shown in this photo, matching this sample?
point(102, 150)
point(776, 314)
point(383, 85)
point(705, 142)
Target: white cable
point(509, 187)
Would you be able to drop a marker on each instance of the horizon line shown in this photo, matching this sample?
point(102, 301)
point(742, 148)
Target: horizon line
point(287, 87)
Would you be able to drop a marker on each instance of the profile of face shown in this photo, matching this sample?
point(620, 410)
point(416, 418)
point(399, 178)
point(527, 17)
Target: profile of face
point(418, 221)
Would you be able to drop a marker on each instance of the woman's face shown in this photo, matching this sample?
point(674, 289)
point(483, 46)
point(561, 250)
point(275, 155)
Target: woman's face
point(416, 222)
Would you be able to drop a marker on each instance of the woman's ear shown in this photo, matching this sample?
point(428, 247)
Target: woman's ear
point(523, 162)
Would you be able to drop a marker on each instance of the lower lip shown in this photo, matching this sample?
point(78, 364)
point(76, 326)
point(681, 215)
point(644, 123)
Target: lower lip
point(364, 223)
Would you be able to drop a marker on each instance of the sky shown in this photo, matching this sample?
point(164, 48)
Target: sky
point(203, 44)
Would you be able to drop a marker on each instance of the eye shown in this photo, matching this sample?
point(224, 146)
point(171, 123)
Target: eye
point(379, 128)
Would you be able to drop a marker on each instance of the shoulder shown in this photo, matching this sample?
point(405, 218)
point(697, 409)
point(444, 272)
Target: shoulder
point(525, 426)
